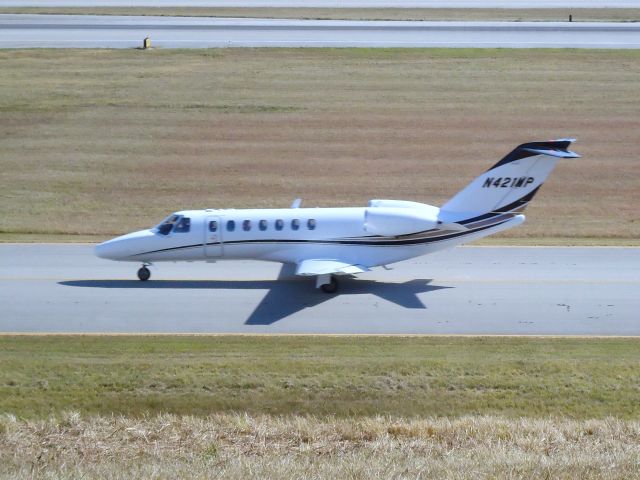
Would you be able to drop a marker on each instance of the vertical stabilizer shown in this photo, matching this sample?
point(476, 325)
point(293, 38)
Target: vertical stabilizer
point(510, 184)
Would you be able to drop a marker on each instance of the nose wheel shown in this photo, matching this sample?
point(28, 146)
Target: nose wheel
point(144, 273)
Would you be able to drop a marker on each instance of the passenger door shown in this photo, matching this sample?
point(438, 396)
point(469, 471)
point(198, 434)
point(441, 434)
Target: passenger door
point(213, 237)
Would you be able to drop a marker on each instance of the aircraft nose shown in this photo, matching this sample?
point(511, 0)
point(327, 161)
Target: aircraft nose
point(109, 250)
point(120, 248)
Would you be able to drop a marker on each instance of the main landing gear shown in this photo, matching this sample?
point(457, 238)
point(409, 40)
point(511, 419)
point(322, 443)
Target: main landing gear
point(327, 283)
point(144, 273)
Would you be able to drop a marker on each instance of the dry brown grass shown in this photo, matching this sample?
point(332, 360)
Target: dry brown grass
point(103, 142)
point(241, 446)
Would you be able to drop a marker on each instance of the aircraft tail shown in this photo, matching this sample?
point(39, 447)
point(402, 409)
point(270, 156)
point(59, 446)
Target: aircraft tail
point(508, 186)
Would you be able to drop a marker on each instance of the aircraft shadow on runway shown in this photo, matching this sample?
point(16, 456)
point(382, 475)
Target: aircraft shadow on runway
point(285, 296)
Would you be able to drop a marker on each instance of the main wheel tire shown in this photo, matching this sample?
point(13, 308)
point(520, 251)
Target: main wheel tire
point(331, 287)
point(144, 274)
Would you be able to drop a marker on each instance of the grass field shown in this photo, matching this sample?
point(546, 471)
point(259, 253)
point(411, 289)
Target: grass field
point(434, 14)
point(318, 407)
point(100, 142)
point(340, 376)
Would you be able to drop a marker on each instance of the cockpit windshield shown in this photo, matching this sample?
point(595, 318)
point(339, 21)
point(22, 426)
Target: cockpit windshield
point(174, 223)
point(183, 225)
point(167, 224)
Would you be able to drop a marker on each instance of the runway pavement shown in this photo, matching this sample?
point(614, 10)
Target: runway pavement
point(93, 31)
point(481, 290)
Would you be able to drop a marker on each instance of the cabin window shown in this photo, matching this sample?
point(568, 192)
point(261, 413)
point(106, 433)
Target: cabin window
point(246, 225)
point(213, 226)
point(279, 224)
point(311, 224)
point(263, 225)
point(295, 224)
point(183, 225)
point(231, 226)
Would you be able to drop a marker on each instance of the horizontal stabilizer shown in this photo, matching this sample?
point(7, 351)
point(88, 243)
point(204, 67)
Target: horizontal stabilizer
point(323, 267)
point(552, 153)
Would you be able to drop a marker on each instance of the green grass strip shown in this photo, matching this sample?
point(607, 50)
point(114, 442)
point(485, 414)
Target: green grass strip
point(343, 376)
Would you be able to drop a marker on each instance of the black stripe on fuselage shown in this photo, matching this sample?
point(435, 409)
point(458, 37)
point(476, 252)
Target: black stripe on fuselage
point(182, 247)
point(521, 202)
point(398, 240)
point(395, 242)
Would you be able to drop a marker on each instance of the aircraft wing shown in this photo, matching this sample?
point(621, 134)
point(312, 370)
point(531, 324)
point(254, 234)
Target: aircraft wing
point(312, 267)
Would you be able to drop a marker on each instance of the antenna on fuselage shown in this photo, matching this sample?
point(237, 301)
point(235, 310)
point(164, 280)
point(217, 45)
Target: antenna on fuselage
point(296, 203)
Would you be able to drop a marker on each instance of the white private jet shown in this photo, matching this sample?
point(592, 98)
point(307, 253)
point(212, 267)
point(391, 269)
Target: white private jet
point(327, 242)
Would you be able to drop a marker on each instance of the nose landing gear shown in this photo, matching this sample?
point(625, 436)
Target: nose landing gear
point(144, 273)
point(327, 283)
point(331, 287)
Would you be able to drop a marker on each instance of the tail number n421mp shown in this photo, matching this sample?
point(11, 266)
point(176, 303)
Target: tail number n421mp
point(507, 182)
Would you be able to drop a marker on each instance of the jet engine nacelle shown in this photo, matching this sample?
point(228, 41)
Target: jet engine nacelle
point(394, 221)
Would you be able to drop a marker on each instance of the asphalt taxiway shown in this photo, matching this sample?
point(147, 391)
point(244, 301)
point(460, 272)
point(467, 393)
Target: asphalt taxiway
point(468, 290)
point(95, 31)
